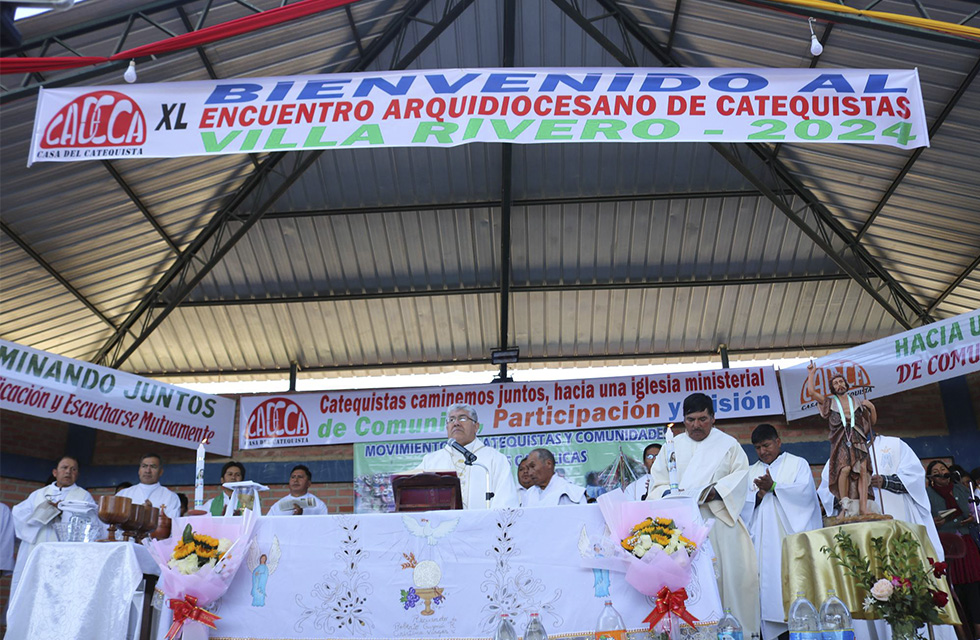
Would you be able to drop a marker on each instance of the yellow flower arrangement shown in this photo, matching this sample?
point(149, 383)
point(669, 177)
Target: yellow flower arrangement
point(195, 550)
point(660, 531)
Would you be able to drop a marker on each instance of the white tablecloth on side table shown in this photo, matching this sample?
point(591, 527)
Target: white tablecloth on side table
point(77, 590)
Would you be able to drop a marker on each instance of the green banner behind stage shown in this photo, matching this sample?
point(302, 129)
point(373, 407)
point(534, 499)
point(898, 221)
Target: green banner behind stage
point(578, 455)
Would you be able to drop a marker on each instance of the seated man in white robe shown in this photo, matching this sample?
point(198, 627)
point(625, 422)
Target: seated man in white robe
point(712, 467)
point(300, 501)
point(523, 480)
point(637, 490)
point(549, 489)
point(34, 518)
point(490, 474)
point(149, 487)
point(218, 506)
point(781, 500)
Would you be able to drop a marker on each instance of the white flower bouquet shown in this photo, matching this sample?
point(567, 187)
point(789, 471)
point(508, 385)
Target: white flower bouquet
point(197, 567)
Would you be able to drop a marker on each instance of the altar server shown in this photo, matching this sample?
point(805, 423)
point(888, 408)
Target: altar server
point(637, 490)
point(549, 489)
point(712, 468)
point(781, 500)
point(34, 518)
point(149, 487)
point(218, 506)
point(300, 501)
point(490, 473)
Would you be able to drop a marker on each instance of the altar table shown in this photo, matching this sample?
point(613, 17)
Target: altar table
point(814, 572)
point(78, 590)
point(445, 574)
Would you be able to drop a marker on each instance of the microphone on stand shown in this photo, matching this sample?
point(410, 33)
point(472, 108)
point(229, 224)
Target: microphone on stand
point(468, 456)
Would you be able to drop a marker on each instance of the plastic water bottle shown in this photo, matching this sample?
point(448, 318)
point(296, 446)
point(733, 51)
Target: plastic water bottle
point(535, 630)
point(803, 622)
point(505, 630)
point(728, 627)
point(835, 619)
point(610, 625)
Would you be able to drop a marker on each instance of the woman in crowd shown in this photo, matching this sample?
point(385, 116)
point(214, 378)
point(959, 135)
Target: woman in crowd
point(951, 511)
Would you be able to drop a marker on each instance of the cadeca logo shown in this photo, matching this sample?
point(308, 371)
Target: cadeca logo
point(856, 376)
point(97, 119)
point(277, 418)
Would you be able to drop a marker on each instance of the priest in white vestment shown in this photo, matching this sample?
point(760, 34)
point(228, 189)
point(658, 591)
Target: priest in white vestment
point(712, 467)
point(781, 500)
point(490, 473)
point(637, 490)
point(898, 485)
point(149, 487)
point(34, 518)
point(549, 488)
point(299, 502)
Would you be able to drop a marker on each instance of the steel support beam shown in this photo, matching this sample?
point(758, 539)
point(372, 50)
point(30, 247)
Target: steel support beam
point(524, 202)
point(960, 278)
point(139, 205)
point(493, 288)
point(227, 227)
point(868, 23)
point(784, 351)
point(54, 273)
point(200, 50)
point(506, 194)
point(829, 233)
point(933, 130)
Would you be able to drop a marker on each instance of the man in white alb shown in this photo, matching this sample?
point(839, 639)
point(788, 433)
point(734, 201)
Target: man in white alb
point(712, 468)
point(300, 501)
point(781, 500)
point(549, 489)
point(462, 425)
point(34, 518)
point(524, 480)
point(149, 487)
point(637, 490)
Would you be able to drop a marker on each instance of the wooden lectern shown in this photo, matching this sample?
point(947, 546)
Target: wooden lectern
point(437, 491)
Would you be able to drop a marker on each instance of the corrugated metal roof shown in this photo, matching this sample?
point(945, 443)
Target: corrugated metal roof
point(389, 260)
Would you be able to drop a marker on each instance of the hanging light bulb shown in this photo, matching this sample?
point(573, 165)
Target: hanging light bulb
point(130, 75)
point(815, 47)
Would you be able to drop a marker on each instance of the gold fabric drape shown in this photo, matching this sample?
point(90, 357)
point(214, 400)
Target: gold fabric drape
point(807, 569)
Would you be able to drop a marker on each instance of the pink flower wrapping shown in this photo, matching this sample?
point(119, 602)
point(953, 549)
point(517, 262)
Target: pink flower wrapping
point(656, 569)
point(209, 583)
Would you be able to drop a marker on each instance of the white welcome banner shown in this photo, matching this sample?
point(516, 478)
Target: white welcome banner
point(335, 417)
point(449, 107)
point(50, 386)
point(918, 357)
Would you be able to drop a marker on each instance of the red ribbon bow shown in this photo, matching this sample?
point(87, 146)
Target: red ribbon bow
point(673, 602)
point(185, 610)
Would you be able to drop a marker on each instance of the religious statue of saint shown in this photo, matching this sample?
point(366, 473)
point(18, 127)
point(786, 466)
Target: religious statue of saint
point(849, 472)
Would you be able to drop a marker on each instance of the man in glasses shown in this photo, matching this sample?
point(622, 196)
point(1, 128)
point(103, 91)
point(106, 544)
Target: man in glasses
point(491, 473)
point(712, 468)
point(637, 490)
